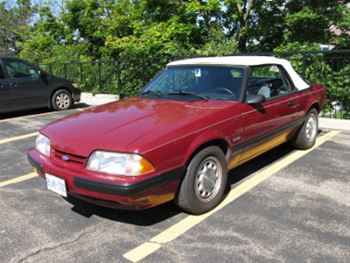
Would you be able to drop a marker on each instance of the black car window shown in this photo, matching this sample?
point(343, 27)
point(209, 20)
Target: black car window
point(2, 76)
point(268, 80)
point(19, 69)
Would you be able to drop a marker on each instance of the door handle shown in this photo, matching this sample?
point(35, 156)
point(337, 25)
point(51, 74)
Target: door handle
point(15, 85)
point(2, 86)
point(290, 103)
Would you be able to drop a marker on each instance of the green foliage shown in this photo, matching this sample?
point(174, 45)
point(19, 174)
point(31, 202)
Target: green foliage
point(14, 24)
point(320, 68)
point(217, 44)
point(342, 38)
point(107, 28)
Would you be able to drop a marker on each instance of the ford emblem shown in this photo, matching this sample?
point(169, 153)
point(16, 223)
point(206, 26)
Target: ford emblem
point(65, 158)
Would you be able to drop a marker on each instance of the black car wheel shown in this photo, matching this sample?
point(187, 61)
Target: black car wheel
point(61, 100)
point(205, 181)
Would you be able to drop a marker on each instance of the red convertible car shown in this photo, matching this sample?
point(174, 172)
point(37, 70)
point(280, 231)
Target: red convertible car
point(177, 140)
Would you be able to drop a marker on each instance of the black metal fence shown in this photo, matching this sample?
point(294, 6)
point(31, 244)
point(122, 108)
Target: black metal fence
point(125, 77)
point(128, 76)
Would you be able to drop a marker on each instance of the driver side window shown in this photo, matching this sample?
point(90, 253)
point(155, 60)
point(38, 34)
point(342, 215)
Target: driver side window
point(269, 81)
point(18, 69)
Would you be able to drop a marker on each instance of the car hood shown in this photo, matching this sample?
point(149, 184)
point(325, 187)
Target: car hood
point(131, 125)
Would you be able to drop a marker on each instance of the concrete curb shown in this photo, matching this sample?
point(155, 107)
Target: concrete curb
point(98, 99)
point(334, 124)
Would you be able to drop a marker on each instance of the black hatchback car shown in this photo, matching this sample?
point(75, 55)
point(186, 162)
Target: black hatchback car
point(25, 86)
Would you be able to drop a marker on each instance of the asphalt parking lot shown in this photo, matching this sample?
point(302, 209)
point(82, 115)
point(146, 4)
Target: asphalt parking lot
point(284, 206)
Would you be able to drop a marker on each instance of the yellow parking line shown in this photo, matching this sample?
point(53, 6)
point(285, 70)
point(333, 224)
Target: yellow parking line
point(187, 223)
point(28, 116)
point(20, 137)
point(18, 179)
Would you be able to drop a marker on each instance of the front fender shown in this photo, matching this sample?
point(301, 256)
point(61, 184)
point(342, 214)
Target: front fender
point(203, 139)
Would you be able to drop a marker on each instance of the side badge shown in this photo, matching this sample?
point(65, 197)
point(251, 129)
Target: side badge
point(237, 138)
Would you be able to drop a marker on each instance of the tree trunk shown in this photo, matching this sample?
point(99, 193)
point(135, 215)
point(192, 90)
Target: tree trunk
point(242, 43)
point(244, 12)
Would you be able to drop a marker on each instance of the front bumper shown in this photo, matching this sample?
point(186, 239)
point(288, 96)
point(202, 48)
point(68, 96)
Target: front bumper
point(131, 196)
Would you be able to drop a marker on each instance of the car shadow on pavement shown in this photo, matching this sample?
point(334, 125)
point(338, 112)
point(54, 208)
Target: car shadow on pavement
point(24, 113)
point(146, 217)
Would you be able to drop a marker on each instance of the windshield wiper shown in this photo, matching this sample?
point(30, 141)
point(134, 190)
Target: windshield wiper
point(152, 92)
point(183, 92)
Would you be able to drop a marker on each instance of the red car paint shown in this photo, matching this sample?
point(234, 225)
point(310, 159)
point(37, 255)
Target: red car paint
point(165, 132)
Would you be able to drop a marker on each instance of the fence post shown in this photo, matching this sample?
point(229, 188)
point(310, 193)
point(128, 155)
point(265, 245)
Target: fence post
point(65, 71)
point(118, 76)
point(99, 76)
point(81, 73)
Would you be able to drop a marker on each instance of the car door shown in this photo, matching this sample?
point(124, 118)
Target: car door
point(268, 124)
point(29, 90)
point(5, 95)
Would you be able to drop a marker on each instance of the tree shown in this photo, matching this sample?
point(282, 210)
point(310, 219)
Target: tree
point(264, 25)
point(98, 29)
point(239, 20)
point(14, 24)
point(341, 30)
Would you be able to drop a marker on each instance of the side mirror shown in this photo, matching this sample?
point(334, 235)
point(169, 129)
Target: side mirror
point(253, 99)
point(41, 73)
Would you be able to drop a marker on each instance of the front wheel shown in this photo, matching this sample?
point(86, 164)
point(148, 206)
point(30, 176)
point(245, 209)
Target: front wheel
point(205, 181)
point(61, 100)
point(306, 137)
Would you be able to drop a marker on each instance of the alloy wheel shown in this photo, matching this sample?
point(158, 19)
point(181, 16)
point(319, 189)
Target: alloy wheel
point(208, 179)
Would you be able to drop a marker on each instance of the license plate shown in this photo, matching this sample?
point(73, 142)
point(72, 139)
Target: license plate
point(56, 185)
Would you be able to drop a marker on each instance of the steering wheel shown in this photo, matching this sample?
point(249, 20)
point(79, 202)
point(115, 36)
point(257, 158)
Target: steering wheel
point(276, 85)
point(225, 90)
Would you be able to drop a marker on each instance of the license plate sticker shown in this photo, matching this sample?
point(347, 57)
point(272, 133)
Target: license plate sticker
point(56, 184)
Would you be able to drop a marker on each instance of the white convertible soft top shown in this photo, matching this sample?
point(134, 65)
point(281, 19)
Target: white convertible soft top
point(299, 83)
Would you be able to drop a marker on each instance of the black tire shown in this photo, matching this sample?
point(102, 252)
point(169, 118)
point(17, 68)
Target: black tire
point(194, 194)
point(61, 100)
point(307, 134)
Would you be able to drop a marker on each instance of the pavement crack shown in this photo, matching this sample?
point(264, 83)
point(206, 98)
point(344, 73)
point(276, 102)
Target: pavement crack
point(54, 247)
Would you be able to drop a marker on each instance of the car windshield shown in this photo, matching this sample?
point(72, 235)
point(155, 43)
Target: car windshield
point(198, 82)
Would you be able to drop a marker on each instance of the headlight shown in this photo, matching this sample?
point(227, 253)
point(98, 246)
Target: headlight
point(43, 145)
point(75, 85)
point(119, 163)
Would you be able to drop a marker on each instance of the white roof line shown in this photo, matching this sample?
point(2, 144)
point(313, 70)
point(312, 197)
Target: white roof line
point(299, 83)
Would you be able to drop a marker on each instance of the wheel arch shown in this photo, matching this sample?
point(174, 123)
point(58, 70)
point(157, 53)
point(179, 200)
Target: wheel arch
point(202, 144)
point(314, 105)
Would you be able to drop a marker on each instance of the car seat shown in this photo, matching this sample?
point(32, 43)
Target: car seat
point(265, 91)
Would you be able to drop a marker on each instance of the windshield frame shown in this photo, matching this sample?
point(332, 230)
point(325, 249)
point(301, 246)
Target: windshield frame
point(240, 97)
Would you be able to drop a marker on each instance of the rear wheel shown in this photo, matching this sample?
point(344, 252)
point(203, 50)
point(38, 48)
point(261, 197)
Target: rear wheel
point(307, 134)
point(205, 181)
point(61, 100)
